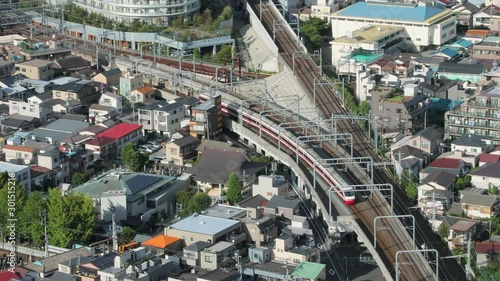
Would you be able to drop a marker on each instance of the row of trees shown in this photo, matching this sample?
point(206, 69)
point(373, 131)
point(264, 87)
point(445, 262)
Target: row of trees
point(69, 218)
point(313, 30)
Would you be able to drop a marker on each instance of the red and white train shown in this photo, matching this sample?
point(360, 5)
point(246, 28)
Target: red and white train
point(346, 194)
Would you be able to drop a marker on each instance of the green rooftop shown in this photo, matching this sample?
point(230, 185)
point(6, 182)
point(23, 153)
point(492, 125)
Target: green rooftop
point(308, 270)
point(396, 98)
point(366, 58)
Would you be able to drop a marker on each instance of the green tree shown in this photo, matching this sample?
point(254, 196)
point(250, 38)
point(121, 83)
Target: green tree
point(443, 231)
point(127, 235)
point(199, 202)
point(59, 220)
point(493, 189)
point(207, 18)
point(30, 227)
point(183, 197)
point(313, 30)
point(70, 218)
point(262, 159)
point(224, 53)
point(234, 189)
point(196, 53)
point(126, 151)
point(463, 182)
point(78, 179)
point(132, 158)
point(13, 196)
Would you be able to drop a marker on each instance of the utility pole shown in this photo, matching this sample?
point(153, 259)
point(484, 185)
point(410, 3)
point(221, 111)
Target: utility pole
point(468, 267)
point(113, 225)
point(43, 214)
point(433, 211)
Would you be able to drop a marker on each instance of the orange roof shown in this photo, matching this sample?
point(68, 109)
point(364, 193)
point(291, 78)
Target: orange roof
point(477, 32)
point(19, 148)
point(161, 241)
point(146, 90)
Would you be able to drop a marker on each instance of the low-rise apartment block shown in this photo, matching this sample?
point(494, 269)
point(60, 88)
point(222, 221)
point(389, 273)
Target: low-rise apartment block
point(36, 69)
point(479, 115)
point(163, 117)
point(21, 172)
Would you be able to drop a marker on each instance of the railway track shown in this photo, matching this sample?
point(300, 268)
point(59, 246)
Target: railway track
point(306, 70)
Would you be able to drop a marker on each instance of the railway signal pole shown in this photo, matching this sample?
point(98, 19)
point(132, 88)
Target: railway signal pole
point(418, 251)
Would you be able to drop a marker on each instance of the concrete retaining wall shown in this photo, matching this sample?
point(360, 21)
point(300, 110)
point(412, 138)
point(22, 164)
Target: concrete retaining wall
point(288, 28)
point(257, 25)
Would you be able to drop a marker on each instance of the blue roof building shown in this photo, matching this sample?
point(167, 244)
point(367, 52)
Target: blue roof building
point(424, 25)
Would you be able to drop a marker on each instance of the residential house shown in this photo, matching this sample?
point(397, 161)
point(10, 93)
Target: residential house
point(460, 232)
point(312, 271)
point(89, 271)
point(61, 276)
point(399, 111)
point(491, 157)
point(220, 255)
point(465, 13)
point(476, 35)
point(49, 136)
point(254, 202)
point(110, 99)
point(142, 94)
point(485, 252)
point(480, 206)
point(36, 69)
point(469, 143)
point(282, 206)
point(60, 107)
point(129, 82)
point(82, 91)
point(486, 176)
point(267, 270)
point(109, 78)
point(203, 228)
point(180, 150)
point(260, 229)
point(17, 121)
point(70, 266)
point(57, 162)
point(99, 113)
point(138, 195)
point(162, 244)
point(92, 130)
point(224, 211)
point(41, 176)
point(21, 172)
point(462, 71)
point(206, 119)
point(69, 65)
point(40, 111)
point(427, 140)
point(436, 190)
point(487, 16)
point(6, 68)
point(271, 185)
point(21, 154)
point(455, 166)
point(486, 49)
point(103, 148)
point(48, 266)
point(286, 249)
point(163, 117)
point(192, 253)
point(122, 134)
point(213, 169)
point(406, 152)
point(479, 115)
point(41, 98)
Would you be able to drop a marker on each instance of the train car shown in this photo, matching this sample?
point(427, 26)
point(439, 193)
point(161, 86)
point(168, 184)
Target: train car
point(346, 193)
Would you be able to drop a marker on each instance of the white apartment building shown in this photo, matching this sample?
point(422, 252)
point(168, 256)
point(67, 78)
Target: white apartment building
point(159, 12)
point(110, 99)
point(163, 117)
point(36, 110)
point(424, 25)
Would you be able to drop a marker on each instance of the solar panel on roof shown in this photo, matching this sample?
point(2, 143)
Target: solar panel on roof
point(138, 183)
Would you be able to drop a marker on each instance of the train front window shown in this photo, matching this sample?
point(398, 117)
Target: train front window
point(349, 193)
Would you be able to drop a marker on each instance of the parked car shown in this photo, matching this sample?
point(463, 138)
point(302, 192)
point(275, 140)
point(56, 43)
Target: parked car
point(146, 148)
point(158, 158)
point(155, 146)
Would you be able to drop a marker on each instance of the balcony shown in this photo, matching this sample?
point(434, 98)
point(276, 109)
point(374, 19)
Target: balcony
point(483, 105)
point(470, 123)
point(474, 114)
